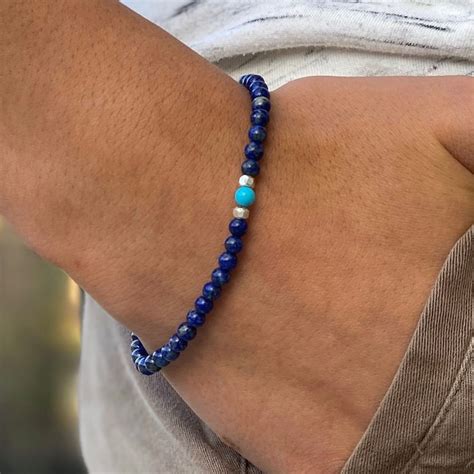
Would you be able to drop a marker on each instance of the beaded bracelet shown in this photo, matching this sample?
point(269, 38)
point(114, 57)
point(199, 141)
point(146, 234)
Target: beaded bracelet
point(148, 364)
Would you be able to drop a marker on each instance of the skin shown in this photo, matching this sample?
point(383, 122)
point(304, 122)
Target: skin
point(119, 153)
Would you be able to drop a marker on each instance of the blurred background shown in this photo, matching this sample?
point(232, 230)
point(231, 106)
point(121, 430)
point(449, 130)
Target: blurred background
point(39, 356)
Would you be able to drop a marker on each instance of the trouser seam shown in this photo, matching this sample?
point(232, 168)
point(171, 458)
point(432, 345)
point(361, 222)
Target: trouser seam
point(443, 412)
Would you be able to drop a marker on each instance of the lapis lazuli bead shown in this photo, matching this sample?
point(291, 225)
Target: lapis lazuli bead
point(168, 353)
point(136, 344)
point(249, 79)
point(150, 364)
point(244, 196)
point(203, 304)
point(220, 277)
point(259, 117)
point(261, 103)
point(238, 227)
point(177, 344)
point(256, 77)
point(159, 359)
point(253, 151)
point(136, 354)
point(259, 92)
point(196, 318)
point(141, 367)
point(257, 133)
point(250, 167)
point(244, 80)
point(257, 83)
point(227, 261)
point(186, 332)
point(233, 244)
point(211, 291)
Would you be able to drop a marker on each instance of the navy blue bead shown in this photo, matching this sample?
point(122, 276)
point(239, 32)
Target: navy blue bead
point(238, 227)
point(259, 92)
point(259, 117)
point(250, 167)
point(244, 80)
point(227, 261)
point(138, 361)
point(177, 344)
point(150, 364)
point(141, 367)
point(136, 344)
point(186, 332)
point(261, 103)
point(233, 244)
point(219, 277)
point(254, 78)
point(159, 359)
point(203, 304)
point(196, 318)
point(257, 83)
point(168, 353)
point(137, 354)
point(253, 151)
point(257, 133)
point(249, 79)
point(211, 291)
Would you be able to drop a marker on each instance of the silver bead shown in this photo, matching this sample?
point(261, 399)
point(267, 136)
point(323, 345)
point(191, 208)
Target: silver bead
point(246, 180)
point(241, 212)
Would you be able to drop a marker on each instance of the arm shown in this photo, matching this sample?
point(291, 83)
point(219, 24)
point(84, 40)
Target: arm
point(100, 106)
point(119, 154)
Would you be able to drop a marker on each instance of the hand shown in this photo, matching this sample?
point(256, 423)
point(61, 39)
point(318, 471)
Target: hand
point(359, 203)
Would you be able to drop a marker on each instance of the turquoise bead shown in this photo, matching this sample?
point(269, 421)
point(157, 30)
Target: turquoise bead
point(244, 196)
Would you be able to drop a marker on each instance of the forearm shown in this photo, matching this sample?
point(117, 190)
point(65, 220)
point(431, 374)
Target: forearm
point(93, 91)
point(93, 77)
point(80, 58)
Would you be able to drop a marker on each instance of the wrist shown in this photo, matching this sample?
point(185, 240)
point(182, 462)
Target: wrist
point(145, 270)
